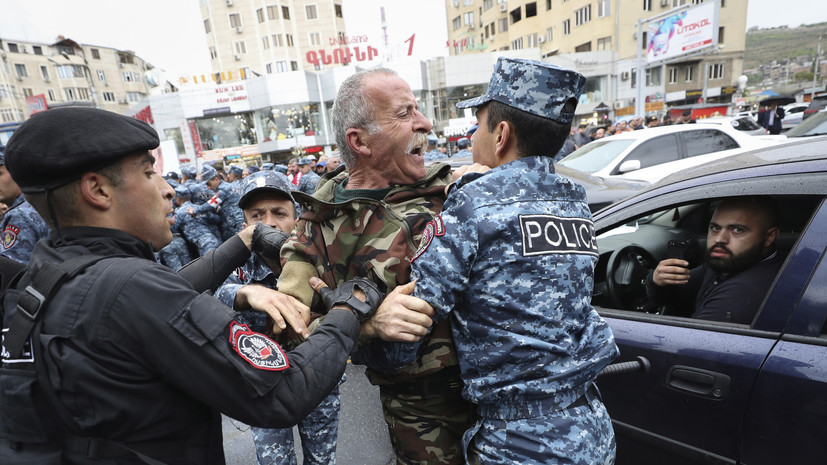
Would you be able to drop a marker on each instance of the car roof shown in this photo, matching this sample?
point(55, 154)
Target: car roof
point(659, 130)
point(794, 157)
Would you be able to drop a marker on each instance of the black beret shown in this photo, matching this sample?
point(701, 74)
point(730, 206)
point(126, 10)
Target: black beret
point(58, 146)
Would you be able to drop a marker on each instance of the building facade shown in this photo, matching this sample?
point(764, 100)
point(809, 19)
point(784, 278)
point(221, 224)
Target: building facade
point(37, 76)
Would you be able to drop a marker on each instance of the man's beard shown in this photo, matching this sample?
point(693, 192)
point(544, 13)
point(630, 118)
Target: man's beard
point(734, 263)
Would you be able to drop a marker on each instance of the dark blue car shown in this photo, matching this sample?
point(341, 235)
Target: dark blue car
point(715, 392)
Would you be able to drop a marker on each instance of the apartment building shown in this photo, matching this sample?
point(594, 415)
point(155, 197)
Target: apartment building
point(37, 76)
point(605, 34)
point(267, 36)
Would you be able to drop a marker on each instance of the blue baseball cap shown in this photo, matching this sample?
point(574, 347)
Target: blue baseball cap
point(263, 181)
point(535, 87)
point(462, 142)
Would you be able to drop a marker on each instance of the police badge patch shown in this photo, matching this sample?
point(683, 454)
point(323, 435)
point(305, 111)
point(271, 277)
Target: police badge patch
point(10, 236)
point(257, 349)
point(433, 229)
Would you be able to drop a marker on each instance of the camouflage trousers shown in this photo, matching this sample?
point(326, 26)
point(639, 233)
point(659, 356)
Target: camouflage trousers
point(318, 433)
point(581, 435)
point(427, 429)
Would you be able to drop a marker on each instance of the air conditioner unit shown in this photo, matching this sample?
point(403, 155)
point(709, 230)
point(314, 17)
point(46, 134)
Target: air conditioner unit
point(120, 65)
point(624, 75)
point(664, 2)
point(618, 105)
point(503, 7)
point(238, 29)
point(237, 57)
point(19, 78)
point(123, 101)
point(229, 2)
point(471, 26)
point(541, 39)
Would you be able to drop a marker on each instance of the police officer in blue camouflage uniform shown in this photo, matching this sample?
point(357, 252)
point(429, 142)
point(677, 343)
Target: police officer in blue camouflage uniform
point(433, 153)
point(266, 199)
point(188, 175)
point(225, 202)
point(199, 220)
point(510, 261)
point(462, 143)
point(309, 179)
point(177, 253)
point(22, 226)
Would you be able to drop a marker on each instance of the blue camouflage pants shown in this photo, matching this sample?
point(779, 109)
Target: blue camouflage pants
point(575, 436)
point(318, 432)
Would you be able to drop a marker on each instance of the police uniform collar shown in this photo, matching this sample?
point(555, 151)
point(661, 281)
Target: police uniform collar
point(538, 163)
point(101, 241)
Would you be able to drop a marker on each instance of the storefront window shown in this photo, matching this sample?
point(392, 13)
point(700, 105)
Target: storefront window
point(221, 132)
point(288, 121)
point(175, 134)
point(594, 91)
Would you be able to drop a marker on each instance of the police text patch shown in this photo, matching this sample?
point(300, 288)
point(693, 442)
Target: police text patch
point(548, 234)
point(257, 349)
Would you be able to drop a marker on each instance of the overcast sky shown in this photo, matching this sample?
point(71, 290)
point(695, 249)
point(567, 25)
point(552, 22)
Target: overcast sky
point(170, 34)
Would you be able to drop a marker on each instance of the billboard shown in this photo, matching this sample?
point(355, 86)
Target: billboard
point(687, 31)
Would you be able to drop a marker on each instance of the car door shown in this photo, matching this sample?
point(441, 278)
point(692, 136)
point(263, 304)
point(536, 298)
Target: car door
point(689, 405)
point(652, 154)
point(787, 413)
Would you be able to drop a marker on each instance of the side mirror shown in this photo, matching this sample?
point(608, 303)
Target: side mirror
point(629, 165)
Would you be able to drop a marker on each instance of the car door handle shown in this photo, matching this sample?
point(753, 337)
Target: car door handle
point(698, 382)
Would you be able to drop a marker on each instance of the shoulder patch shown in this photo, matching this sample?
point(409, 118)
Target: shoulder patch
point(10, 236)
point(257, 349)
point(549, 234)
point(434, 228)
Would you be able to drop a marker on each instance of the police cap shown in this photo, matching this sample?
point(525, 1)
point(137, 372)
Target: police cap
point(207, 173)
point(189, 171)
point(263, 181)
point(281, 169)
point(267, 166)
point(253, 169)
point(235, 170)
point(462, 142)
point(55, 147)
point(303, 161)
point(2, 155)
point(541, 89)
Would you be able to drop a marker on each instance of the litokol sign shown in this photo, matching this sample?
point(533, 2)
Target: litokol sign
point(687, 31)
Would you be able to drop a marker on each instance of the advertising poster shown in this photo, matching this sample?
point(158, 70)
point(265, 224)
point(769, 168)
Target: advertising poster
point(685, 32)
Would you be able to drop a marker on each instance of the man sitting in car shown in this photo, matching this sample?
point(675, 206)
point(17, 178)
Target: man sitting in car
point(741, 263)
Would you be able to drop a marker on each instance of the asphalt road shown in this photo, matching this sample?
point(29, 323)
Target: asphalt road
point(363, 436)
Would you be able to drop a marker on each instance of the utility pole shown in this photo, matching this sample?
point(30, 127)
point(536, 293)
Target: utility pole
point(815, 69)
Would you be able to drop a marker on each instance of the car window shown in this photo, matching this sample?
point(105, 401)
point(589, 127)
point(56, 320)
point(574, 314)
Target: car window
point(661, 149)
point(746, 124)
point(705, 141)
point(816, 125)
point(596, 155)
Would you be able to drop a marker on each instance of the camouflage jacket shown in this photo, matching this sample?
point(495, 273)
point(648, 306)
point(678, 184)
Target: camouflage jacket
point(370, 238)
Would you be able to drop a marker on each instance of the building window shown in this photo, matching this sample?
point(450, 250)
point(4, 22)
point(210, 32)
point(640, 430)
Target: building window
point(38, 50)
point(517, 44)
point(235, 20)
point(13, 48)
point(487, 4)
point(281, 66)
point(269, 68)
point(272, 12)
point(549, 34)
point(337, 9)
point(294, 65)
point(310, 12)
point(213, 53)
point(690, 73)
point(315, 38)
point(673, 75)
point(604, 43)
point(70, 93)
point(289, 38)
point(20, 69)
point(516, 15)
point(285, 12)
point(645, 41)
point(51, 94)
point(96, 54)
point(239, 47)
point(604, 8)
point(456, 23)
point(44, 71)
point(653, 76)
point(566, 27)
point(583, 15)
point(70, 71)
point(27, 92)
point(531, 40)
point(677, 3)
point(265, 42)
point(109, 97)
point(468, 19)
point(721, 35)
point(647, 5)
point(716, 71)
point(260, 15)
point(207, 27)
point(587, 47)
point(101, 75)
point(127, 76)
point(530, 9)
point(277, 40)
point(548, 5)
point(502, 24)
point(134, 96)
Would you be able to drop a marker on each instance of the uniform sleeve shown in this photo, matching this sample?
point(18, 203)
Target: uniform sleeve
point(199, 347)
point(23, 228)
point(299, 256)
point(209, 271)
point(442, 267)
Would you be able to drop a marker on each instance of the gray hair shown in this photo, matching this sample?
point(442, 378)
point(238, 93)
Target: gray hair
point(352, 109)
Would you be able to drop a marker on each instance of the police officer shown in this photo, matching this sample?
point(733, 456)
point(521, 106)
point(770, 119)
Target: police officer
point(462, 143)
point(177, 254)
point(309, 178)
point(127, 361)
point(266, 198)
point(188, 175)
point(480, 265)
point(198, 220)
point(225, 203)
point(22, 226)
point(433, 153)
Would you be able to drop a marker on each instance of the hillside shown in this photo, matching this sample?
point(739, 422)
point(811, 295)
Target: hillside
point(781, 43)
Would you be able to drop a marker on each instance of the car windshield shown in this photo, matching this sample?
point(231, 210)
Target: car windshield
point(815, 125)
point(596, 155)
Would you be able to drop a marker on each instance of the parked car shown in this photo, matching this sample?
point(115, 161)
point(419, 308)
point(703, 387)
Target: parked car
point(744, 124)
point(815, 126)
point(650, 154)
point(714, 392)
point(816, 105)
point(793, 114)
